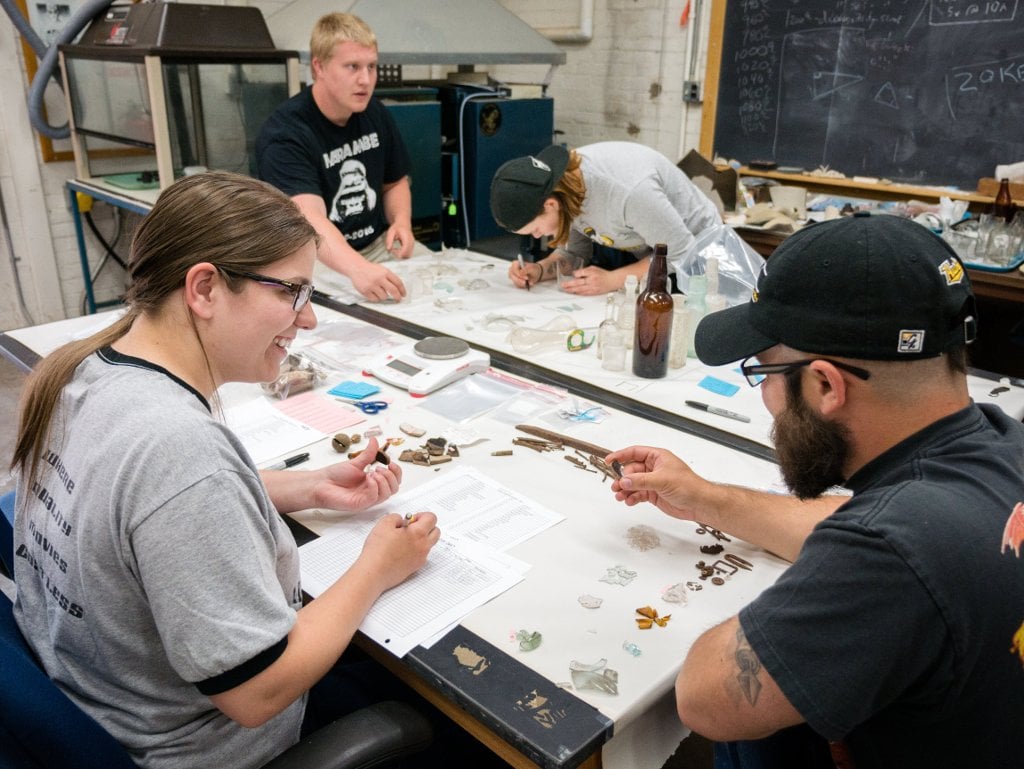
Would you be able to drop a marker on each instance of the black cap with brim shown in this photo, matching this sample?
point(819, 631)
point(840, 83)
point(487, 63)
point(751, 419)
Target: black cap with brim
point(726, 336)
point(521, 186)
point(867, 287)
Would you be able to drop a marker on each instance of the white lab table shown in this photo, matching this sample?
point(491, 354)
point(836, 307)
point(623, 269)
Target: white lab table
point(636, 727)
point(443, 300)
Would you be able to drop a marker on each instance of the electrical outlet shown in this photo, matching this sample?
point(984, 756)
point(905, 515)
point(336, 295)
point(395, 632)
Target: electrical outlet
point(691, 90)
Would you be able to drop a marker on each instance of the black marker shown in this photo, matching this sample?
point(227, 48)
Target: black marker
point(290, 462)
point(716, 410)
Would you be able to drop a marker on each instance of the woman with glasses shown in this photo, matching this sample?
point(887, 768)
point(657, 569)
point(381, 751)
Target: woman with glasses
point(157, 581)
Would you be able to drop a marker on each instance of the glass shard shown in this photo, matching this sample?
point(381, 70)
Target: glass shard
point(642, 538)
point(618, 575)
point(594, 676)
point(528, 641)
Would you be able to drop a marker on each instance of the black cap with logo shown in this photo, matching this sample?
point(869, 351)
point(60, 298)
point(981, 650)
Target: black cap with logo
point(521, 186)
point(876, 287)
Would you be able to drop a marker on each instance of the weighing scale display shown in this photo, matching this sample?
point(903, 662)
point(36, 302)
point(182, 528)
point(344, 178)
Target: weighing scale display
point(406, 368)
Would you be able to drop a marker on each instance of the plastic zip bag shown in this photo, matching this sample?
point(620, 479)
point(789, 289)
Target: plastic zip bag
point(738, 263)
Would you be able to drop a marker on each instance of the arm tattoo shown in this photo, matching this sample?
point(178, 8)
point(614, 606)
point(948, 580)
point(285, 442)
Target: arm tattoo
point(748, 666)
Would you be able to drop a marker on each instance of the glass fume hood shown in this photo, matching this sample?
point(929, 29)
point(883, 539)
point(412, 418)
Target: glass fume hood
point(157, 89)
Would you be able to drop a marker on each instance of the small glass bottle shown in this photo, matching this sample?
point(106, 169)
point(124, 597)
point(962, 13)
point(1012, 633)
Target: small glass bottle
point(1003, 206)
point(696, 308)
point(713, 301)
point(627, 315)
point(677, 339)
point(653, 320)
point(610, 324)
point(613, 356)
point(711, 274)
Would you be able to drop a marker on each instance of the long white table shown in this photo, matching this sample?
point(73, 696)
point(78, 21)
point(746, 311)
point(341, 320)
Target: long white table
point(638, 726)
point(461, 293)
point(516, 701)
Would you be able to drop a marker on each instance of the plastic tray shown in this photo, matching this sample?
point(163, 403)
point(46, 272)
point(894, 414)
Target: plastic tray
point(1016, 262)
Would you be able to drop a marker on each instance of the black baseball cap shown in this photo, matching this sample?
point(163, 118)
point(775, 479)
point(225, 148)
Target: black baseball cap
point(874, 287)
point(521, 186)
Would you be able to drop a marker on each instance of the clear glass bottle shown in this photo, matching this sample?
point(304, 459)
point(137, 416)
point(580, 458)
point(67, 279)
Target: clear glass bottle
point(653, 320)
point(610, 324)
point(696, 308)
point(677, 339)
point(711, 274)
point(613, 356)
point(627, 315)
point(713, 301)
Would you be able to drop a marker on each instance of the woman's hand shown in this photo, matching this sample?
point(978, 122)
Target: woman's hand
point(525, 275)
point(350, 486)
point(592, 281)
point(396, 546)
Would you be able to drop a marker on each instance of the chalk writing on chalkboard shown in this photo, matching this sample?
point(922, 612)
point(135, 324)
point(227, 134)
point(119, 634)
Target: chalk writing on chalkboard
point(917, 92)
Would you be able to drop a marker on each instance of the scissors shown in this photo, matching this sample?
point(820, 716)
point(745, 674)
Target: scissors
point(370, 407)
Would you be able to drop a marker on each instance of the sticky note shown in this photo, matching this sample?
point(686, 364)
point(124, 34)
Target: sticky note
point(718, 386)
point(354, 390)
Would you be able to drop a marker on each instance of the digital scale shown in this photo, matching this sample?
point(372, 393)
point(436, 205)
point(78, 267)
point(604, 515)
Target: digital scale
point(428, 364)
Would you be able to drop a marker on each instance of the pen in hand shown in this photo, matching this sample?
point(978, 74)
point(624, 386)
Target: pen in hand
point(522, 266)
point(284, 464)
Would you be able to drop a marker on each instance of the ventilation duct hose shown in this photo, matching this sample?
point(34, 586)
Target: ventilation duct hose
point(24, 28)
point(48, 65)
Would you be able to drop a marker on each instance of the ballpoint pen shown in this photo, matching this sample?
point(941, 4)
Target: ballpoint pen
point(716, 410)
point(522, 266)
point(284, 464)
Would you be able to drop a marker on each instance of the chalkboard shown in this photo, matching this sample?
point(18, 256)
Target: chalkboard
point(917, 92)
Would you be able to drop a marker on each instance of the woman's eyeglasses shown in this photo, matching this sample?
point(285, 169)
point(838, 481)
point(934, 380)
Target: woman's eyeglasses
point(756, 372)
point(301, 292)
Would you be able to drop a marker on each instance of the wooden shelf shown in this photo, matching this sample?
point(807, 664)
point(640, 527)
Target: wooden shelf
point(1003, 286)
point(865, 189)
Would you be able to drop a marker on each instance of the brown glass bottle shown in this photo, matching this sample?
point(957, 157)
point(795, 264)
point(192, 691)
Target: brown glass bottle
point(1003, 205)
point(653, 319)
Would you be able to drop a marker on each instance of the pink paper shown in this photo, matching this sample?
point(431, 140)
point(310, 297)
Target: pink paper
point(320, 413)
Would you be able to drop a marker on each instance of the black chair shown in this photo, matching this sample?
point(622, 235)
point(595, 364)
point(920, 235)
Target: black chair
point(41, 728)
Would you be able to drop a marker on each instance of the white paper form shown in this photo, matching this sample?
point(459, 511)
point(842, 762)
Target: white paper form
point(469, 505)
point(477, 516)
point(266, 432)
point(457, 578)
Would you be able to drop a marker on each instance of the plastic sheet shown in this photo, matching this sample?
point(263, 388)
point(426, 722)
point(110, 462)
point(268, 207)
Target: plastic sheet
point(298, 374)
point(738, 264)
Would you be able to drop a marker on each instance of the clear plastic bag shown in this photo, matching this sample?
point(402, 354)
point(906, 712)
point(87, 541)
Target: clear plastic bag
point(738, 264)
point(297, 375)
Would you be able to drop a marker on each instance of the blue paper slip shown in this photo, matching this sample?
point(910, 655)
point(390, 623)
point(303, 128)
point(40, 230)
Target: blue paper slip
point(353, 390)
point(718, 386)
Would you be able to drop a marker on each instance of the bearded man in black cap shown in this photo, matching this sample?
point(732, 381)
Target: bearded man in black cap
point(896, 638)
